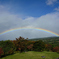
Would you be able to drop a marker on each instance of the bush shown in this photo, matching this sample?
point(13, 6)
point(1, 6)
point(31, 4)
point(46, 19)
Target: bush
point(30, 47)
point(1, 52)
point(11, 51)
point(39, 46)
point(48, 47)
point(7, 46)
point(56, 49)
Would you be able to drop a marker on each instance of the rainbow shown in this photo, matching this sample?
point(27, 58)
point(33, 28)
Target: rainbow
point(10, 30)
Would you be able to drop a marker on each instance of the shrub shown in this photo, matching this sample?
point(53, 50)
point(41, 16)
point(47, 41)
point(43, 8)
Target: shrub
point(30, 47)
point(1, 52)
point(48, 47)
point(39, 46)
point(56, 49)
point(11, 51)
point(7, 46)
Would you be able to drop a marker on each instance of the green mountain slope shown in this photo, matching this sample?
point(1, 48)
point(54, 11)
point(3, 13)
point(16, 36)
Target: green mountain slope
point(51, 40)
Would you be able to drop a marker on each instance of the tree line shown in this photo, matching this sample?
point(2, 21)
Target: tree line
point(8, 47)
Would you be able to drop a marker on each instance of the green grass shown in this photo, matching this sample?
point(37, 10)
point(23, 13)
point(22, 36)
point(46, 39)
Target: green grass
point(33, 55)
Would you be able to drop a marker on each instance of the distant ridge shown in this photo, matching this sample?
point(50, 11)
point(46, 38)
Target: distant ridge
point(35, 39)
point(54, 41)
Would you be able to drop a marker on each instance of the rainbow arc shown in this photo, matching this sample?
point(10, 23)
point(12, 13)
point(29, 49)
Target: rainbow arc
point(45, 30)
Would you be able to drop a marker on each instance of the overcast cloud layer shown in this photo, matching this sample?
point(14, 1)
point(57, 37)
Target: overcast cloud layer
point(8, 21)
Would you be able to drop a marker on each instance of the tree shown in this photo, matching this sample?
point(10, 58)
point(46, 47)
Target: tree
point(30, 47)
point(48, 47)
point(56, 49)
point(7, 46)
point(39, 46)
point(20, 44)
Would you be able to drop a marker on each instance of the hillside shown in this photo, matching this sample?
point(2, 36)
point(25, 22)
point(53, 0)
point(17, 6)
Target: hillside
point(52, 40)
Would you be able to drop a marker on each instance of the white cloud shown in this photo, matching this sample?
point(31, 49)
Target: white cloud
point(57, 9)
point(9, 21)
point(50, 2)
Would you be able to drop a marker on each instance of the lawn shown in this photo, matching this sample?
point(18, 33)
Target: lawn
point(33, 55)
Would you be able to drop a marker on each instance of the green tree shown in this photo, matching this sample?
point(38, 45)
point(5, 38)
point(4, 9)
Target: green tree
point(39, 45)
point(7, 46)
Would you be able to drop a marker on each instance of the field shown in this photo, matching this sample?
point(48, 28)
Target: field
point(33, 55)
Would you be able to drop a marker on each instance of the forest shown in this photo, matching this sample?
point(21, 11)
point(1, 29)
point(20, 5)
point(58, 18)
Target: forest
point(9, 47)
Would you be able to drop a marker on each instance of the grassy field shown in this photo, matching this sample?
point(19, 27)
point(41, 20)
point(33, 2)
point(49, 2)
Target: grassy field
point(33, 55)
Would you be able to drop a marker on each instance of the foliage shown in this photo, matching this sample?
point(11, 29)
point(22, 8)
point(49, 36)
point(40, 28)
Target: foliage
point(20, 44)
point(11, 51)
point(56, 49)
point(1, 52)
point(51, 40)
point(48, 47)
point(30, 47)
point(39, 46)
point(6, 46)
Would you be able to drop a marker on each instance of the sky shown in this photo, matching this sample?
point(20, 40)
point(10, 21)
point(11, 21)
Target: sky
point(28, 13)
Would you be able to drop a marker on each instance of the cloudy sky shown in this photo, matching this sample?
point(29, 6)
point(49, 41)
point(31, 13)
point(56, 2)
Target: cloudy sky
point(28, 13)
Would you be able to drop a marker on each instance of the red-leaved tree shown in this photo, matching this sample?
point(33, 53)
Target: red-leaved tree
point(1, 52)
point(30, 47)
point(56, 49)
